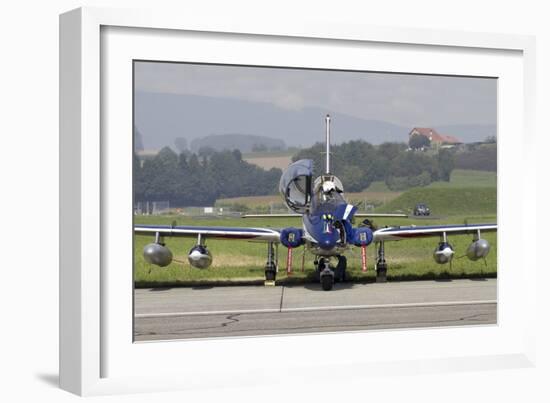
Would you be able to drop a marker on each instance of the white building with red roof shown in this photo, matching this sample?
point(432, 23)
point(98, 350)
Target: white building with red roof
point(436, 139)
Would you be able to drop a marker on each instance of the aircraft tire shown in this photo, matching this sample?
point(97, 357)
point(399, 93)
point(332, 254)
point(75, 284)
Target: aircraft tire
point(270, 272)
point(381, 272)
point(270, 275)
point(327, 282)
point(319, 268)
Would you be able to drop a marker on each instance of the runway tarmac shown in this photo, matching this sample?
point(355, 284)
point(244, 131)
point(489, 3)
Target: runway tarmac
point(202, 312)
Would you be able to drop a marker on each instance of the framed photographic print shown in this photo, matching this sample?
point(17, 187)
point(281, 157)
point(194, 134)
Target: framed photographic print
point(231, 192)
point(343, 203)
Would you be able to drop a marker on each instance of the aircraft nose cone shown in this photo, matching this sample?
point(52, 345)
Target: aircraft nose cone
point(327, 243)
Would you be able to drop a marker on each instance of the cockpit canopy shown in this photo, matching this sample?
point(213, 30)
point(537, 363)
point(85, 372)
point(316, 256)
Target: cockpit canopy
point(326, 186)
point(295, 185)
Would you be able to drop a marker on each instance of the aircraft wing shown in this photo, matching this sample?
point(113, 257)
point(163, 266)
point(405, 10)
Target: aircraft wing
point(413, 231)
point(250, 234)
point(381, 215)
point(289, 215)
point(283, 215)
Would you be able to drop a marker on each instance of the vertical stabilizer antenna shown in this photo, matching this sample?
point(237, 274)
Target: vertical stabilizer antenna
point(327, 140)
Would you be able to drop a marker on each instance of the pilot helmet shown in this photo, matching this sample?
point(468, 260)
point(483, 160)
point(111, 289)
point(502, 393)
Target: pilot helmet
point(328, 187)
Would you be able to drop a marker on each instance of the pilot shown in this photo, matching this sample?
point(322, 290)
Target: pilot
point(328, 189)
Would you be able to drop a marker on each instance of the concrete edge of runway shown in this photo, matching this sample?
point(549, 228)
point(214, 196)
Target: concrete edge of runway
point(309, 309)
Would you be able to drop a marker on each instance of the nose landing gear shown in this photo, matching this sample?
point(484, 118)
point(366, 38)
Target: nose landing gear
point(327, 278)
point(328, 274)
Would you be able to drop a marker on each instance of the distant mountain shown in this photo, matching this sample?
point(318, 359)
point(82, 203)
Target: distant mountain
point(244, 142)
point(162, 117)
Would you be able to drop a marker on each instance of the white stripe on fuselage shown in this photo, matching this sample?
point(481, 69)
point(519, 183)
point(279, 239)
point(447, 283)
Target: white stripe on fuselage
point(307, 235)
point(348, 210)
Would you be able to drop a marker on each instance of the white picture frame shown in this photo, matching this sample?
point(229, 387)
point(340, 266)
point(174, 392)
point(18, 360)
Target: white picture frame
point(96, 355)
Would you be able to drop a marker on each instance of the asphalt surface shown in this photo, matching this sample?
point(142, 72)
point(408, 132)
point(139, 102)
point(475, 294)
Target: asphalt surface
point(202, 312)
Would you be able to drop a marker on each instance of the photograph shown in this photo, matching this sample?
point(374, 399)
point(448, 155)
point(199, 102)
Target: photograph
point(274, 200)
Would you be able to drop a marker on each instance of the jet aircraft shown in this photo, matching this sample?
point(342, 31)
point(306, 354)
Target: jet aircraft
point(327, 230)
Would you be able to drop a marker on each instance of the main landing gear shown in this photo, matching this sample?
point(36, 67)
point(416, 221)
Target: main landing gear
point(328, 274)
point(381, 266)
point(270, 265)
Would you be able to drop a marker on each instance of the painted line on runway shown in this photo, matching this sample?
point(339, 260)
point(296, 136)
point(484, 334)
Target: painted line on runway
point(313, 308)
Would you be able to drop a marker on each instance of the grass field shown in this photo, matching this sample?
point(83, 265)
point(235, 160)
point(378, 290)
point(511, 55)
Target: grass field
point(253, 202)
point(378, 193)
point(468, 178)
point(270, 162)
point(459, 178)
point(268, 154)
point(239, 260)
point(446, 201)
point(270, 159)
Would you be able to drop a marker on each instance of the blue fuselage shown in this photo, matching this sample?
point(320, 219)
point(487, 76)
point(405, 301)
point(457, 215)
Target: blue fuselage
point(328, 223)
point(327, 228)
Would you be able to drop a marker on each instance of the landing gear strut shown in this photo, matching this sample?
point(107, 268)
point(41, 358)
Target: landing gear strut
point(381, 266)
point(270, 265)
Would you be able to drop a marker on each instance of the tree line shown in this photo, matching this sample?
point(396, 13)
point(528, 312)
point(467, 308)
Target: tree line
point(198, 180)
point(358, 164)
point(482, 157)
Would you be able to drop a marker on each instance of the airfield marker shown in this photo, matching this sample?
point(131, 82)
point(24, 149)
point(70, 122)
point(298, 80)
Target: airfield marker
point(363, 258)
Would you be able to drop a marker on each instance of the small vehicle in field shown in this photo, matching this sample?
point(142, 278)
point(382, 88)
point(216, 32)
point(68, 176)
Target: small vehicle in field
point(421, 209)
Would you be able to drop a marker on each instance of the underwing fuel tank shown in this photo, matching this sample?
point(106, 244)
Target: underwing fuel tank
point(157, 254)
point(200, 257)
point(478, 249)
point(443, 253)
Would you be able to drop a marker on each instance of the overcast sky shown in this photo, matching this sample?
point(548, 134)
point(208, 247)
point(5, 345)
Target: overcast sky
point(409, 100)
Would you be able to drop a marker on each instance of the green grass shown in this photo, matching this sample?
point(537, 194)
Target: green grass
point(378, 186)
point(241, 261)
point(446, 201)
point(459, 178)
